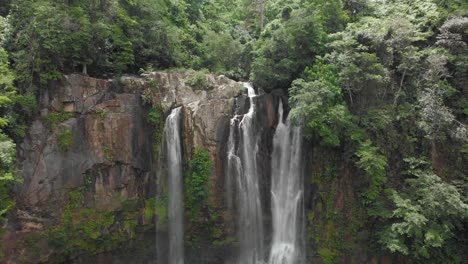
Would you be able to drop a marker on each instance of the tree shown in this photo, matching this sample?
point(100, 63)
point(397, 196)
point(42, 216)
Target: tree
point(317, 103)
point(427, 213)
point(7, 146)
point(436, 118)
point(7, 176)
point(221, 53)
point(285, 48)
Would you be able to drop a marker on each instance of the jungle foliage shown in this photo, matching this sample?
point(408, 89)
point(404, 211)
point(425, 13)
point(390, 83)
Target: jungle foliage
point(383, 82)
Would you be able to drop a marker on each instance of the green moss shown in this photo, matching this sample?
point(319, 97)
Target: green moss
point(131, 214)
point(160, 206)
point(218, 235)
point(196, 183)
point(52, 120)
point(228, 240)
point(150, 209)
point(86, 230)
point(75, 198)
point(130, 205)
point(156, 118)
point(324, 230)
point(88, 179)
point(65, 139)
point(332, 230)
point(99, 113)
point(108, 153)
point(205, 220)
point(91, 231)
point(31, 243)
point(328, 256)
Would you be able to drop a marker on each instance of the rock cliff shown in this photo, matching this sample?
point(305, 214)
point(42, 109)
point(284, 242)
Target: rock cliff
point(93, 138)
point(95, 188)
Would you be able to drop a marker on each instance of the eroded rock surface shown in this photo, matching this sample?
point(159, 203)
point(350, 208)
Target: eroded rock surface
point(111, 149)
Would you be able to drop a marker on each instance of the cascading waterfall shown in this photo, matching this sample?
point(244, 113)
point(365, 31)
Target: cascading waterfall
point(286, 193)
point(242, 171)
point(174, 162)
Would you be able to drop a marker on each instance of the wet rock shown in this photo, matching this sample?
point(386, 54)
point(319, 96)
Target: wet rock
point(111, 149)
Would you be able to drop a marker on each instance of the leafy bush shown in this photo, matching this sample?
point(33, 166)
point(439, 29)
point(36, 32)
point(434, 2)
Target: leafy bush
point(428, 212)
point(65, 139)
point(374, 164)
point(285, 49)
point(155, 117)
point(99, 113)
point(52, 120)
point(317, 103)
point(7, 176)
point(199, 81)
point(196, 183)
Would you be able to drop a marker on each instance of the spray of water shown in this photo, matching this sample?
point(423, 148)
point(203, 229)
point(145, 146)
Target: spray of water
point(174, 159)
point(242, 172)
point(286, 193)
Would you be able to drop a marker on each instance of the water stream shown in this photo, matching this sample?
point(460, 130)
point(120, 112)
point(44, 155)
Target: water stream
point(286, 193)
point(242, 172)
point(175, 209)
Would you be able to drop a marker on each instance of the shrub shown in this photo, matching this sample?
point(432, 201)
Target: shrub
point(196, 183)
point(65, 139)
point(199, 81)
point(52, 120)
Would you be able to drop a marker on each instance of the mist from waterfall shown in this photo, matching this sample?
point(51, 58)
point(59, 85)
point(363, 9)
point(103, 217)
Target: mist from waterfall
point(242, 173)
point(175, 207)
point(286, 193)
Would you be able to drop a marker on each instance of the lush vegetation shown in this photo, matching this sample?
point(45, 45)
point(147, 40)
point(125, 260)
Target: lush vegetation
point(52, 120)
point(196, 183)
point(380, 83)
point(389, 88)
point(8, 97)
point(7, 175)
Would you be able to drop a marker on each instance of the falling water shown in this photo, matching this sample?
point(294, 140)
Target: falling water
point(286, 192)
point(174, 159)
point(242, 171)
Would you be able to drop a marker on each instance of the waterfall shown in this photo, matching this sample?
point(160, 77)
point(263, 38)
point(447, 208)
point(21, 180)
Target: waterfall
point(286, 193)
point(242, 173)
point(174, 162)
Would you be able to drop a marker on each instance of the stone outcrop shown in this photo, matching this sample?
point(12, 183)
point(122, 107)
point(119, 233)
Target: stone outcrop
point(111, 148)
point(109, 140)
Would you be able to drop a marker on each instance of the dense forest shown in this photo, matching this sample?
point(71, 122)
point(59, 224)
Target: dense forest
point(385, 82)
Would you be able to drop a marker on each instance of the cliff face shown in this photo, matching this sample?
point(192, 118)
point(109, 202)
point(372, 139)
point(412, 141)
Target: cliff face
point(93, 140)
point(84, 155)
point(95, 186)
point(108, 142)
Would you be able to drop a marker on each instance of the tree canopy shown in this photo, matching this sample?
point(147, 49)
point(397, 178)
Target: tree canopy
point(383, 81)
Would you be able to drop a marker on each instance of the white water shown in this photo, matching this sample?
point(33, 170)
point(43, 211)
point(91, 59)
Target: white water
point(174, 160)
point(286, 193)
point(242, 171)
